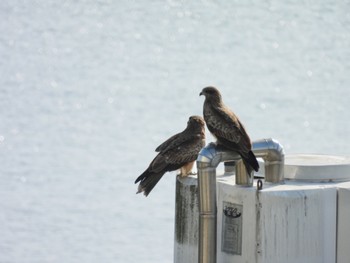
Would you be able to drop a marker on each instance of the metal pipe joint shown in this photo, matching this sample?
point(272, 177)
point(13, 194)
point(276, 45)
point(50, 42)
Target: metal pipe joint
point(208, 159)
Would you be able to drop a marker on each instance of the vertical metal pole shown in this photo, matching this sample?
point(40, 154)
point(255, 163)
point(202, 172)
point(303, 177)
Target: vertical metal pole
point(230, 167)
point(273, 154)
point(207, 217)
point(242, 176)
point(208, 159)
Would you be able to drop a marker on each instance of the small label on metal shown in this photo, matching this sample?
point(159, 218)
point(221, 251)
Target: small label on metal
point(232, 228)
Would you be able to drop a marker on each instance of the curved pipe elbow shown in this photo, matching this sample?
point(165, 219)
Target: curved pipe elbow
point(211, 155)
point(208, 159)
point(270, 150)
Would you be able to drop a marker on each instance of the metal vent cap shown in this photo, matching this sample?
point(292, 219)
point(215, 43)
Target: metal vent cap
point(317, 168)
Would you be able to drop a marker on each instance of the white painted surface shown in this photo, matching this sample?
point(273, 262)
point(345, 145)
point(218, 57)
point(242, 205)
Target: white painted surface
point(245, 197)
point(297, 222)
point(186, 221)
point(343, 227)
point(298, 225)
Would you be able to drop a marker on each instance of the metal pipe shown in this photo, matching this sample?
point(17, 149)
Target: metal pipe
point(271, 151)
point(208, 160)
point(229, 167)
point(242, 177)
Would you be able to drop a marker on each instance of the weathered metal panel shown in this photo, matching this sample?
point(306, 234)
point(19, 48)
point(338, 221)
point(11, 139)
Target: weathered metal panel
point(282, 223)
point(243, 198)
point(186, 221)
point(298, 225)
point(294, 222)
point(343, 226)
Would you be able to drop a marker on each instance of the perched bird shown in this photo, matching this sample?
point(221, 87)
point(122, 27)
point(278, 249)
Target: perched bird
point(227, 128)
point(179, 151)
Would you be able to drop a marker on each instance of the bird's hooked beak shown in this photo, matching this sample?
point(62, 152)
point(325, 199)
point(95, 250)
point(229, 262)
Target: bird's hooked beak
point(201, 93)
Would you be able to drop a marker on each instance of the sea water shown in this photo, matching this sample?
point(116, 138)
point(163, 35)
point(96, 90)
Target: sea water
point(89, 89)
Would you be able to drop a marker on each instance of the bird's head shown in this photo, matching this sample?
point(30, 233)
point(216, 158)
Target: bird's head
point(196, 122)
point(211, 94)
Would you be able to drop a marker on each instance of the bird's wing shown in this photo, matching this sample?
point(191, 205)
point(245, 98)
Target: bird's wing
point(223, 123)
point(180, 154)
point(171, 142)
point(186, 151)
point(175, 141)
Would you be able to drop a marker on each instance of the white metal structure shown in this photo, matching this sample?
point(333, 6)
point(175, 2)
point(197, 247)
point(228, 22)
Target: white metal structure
point(306, 219)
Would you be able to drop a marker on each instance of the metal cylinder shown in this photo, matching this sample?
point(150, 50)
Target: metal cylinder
point(273, 154)
point(229, 167)
point(274, 172)
point(207, 239)
point(207, 213)
point(242, 177)
point(208, 159)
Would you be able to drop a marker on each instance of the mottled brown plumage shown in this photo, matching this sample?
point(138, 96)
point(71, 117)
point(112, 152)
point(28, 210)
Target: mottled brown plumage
point(178, 152)
point(227, 128)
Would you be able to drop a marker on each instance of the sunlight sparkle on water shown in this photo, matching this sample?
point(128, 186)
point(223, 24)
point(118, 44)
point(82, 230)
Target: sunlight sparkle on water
point(275, 45)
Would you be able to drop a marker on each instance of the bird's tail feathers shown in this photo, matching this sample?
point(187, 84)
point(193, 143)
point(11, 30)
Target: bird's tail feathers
point(142, 176)
point(250, 162)
point(148, 182)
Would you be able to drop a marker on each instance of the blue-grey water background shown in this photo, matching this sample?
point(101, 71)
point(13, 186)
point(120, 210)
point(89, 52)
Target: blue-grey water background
point(88, 89)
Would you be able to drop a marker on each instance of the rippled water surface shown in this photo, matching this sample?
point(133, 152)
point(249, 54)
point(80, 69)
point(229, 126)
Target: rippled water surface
point(89, 89)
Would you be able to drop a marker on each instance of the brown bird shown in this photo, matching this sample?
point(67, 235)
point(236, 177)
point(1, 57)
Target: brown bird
point(179, 151)
point(227, 128)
